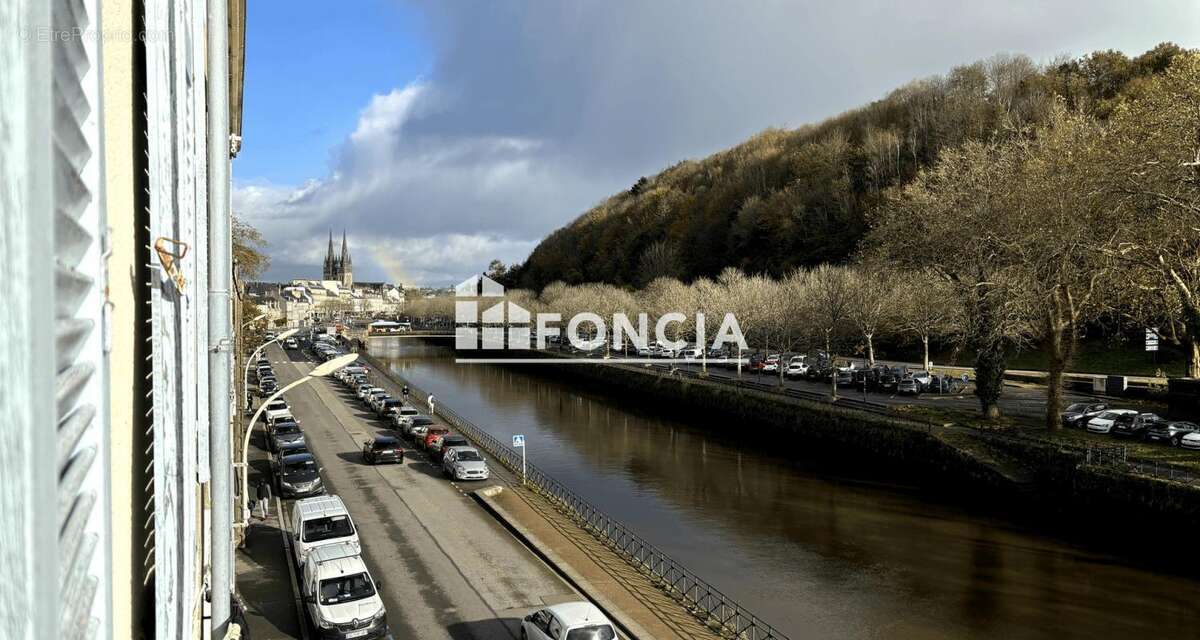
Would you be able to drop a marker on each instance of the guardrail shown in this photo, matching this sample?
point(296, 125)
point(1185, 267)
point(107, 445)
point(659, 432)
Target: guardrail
point(701, 599)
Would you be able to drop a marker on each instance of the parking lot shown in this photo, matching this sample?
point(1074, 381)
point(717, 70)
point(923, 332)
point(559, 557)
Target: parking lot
point(448, 569)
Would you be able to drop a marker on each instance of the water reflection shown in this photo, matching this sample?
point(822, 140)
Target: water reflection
point(816, 548)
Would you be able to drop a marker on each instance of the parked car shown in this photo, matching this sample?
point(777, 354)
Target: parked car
point(289, 449)
point(340, 596)
point(375, 400)
point(923, 378)
point(1135, 426)
point(320, 521)
point(267, 387)
point(1078, 414)
point(277, 409)
point(1171, 431)
point(1190, 441)
point(299, 476)
point(908, 387)
point(374, 396)
point(401, 417)
point(582, 620)
point(383, 449)
point(416, 427)
point(796, 369)
point(389, 406)
point(285, 432)
point(290, 344)
point(890, 377)
point(431, 432)
point(1103, 423)
point(363, 394)
point(464, 463)
point(843, 378)
point(439, 445)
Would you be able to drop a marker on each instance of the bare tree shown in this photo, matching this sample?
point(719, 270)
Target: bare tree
point(926, 308)
point(872, 307)
point(829, 295)
point(1152, 169)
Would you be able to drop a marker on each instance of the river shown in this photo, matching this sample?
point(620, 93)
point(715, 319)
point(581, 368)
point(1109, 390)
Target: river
point(815, 548)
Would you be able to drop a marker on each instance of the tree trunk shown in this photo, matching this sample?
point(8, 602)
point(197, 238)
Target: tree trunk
point(1193, 358)
point(1055, 367)
point(1060, 349)
point(833, 365)
point(990, 364)
point(925, 347)
point(870, 349)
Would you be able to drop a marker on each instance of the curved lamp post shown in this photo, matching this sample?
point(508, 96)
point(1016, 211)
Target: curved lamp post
point(253, 320)
point(317, 372)
point(254, 356)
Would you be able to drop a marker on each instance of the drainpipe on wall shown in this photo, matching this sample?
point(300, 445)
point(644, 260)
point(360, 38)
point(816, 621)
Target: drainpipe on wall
point(220, 330)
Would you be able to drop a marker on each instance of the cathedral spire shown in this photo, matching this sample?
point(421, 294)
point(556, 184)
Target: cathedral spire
point(345, 250)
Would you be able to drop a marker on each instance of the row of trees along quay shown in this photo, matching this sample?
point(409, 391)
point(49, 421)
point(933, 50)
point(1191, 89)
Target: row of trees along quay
point(1020, 241)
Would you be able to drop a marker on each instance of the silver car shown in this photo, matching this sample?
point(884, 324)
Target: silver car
point(465, 463)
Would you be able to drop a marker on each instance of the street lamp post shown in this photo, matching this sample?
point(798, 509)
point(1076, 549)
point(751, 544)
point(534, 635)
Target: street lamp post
point(317, 372)
point(253, 320)
point(254, 356)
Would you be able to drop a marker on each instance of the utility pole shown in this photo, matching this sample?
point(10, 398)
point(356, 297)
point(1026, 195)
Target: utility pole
point(220, 330)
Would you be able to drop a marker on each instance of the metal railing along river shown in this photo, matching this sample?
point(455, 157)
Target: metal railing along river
point(706, 602)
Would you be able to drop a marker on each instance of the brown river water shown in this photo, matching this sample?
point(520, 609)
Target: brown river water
point(815, 546)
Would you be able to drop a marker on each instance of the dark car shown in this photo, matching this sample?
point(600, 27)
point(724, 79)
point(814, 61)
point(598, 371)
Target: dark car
point(890, 377)
point(285, 433)
point(1172, 431)
point(383, 449)
point(292, 448)
point(438, 449)
point(1134, 426)
point(1078, 414)
point(299, 476)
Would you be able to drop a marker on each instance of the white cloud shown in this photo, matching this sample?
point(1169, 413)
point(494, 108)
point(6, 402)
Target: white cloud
point(533, 112)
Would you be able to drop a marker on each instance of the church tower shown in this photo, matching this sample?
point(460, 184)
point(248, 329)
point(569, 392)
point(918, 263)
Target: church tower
point(330, 270)
point(346, 265)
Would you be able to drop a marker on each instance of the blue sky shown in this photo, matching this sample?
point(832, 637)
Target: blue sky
point(444, 133)
point(310, 69)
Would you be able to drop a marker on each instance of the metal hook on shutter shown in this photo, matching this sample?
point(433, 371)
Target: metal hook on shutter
point(170, 258)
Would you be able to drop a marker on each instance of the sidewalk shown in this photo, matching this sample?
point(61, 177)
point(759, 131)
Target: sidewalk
point(264, 570)
point(626, 594)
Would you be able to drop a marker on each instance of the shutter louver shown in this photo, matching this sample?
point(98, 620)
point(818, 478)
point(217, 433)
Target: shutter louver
point(78, 307)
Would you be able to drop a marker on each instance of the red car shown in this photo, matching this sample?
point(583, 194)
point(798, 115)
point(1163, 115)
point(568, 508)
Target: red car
point(434, 432)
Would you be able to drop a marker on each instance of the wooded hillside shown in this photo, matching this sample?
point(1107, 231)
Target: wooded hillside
point(797, 198)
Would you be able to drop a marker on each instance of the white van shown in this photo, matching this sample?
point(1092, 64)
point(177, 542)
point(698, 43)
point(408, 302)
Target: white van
point(320, 521)
point(340, 596)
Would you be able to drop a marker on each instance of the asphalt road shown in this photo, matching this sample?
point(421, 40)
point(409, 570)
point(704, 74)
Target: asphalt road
point(449, 569)
point(1023, 400)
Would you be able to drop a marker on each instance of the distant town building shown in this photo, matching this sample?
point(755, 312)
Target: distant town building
point(334, 296)
point(339, 269)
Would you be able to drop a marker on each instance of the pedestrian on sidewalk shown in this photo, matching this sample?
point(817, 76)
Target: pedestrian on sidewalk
point(430, 402)
point(404, 392)
point(263, 495)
